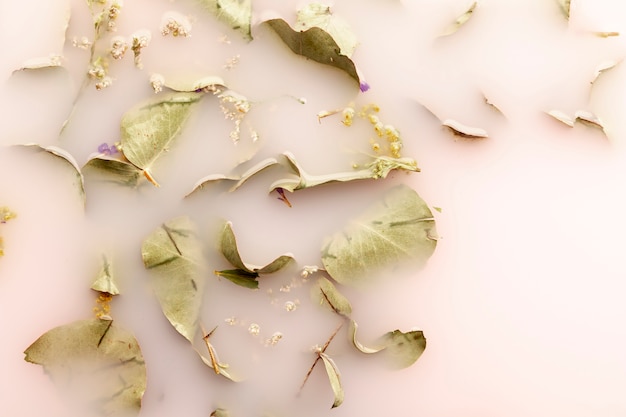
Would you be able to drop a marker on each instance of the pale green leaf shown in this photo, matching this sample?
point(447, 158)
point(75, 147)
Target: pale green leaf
point(403, 349)
point(399, 227)
point(239, 180)
point(173, 255)
point(6, 214)
point(352, 332)
point(235, 13)
point(460, 21)
point(228, 247)
point(581, 116)
point(46, 62)
point(240, 277)
point(334, 377)
point(325, 293)
point(147, 131)
point(220, 412)
point(319, 15)
point(467, 132)
point(193, 84)
point(68, 160)
point(377, 167)
point(98, 362)
point(565, 6)
point(105, 281)
point(109, 169)
point(316, 44)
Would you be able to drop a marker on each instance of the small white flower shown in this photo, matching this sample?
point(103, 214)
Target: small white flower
point(157, 81)
point(175, 23)
point(119, 46)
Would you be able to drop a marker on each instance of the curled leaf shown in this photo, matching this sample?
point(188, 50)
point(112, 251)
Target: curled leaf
point(399, 227)
point(47, 62)
point(464, 131)
point(325, 293)
point(602, 68)
point(105, 282)
point(334, 376)
point(148, 130)
point(239, 180)
point(565, 6)
point(377, 167)
point(317, 44)
point(581, 116)
point(245, 272)
point(460, 21)
point(173, 255)
point(67, 158)
point(235, 13)
point(362, 348)
point(191, 84)
point(100, 363)
point(112, 170)
point(403, 349)
point(319, 15)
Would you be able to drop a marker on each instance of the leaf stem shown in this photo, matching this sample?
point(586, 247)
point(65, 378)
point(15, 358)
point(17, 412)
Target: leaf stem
point(319, 356)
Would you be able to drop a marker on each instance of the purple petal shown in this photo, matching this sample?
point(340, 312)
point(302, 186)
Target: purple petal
point(104, 148)
point(363, 86)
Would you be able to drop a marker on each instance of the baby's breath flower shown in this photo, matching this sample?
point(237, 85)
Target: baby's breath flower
point(176, 24)
point(104, 83)
point(119, 46)
point(348, 116)
point(140, 39)
point(157, 81)
point(82, 43)
point(113, 13)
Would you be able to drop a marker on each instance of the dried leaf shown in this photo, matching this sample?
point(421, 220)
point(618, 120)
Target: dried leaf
point(561, 117)
point(464, 131)
point(460, 21)
point(316, 44)
point(100, 363)
point(5, 215)
point(235, 13)
point(352, 331)
point(220, 412)
point(46, 62)
point(245, 272)
point(399, 227)
point(238, 179)
point(581, 116)
point(148, 130)
point(190, 85)
point(334, 377)
point(565, 6)
point(602, 68)
point(378, 167)
point(68, 160)
point(105, 282)
point(173, 255)
point(113, 170)
point(325, 293)
point(319, 15)
point(213, 360)
point(403, 349)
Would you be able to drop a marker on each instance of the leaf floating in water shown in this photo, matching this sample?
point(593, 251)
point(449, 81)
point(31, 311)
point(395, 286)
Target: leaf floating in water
point(113, 170)
point(364, 349)
point(98, 362)
point(377, 167)
point(581, 116)
point(334, 377)
point(561, 117)
point(325, 293)
point(52, 61)
point(400, 227)
point(235, 13)
point(68, 160)
point(105, 282)
point(403, 349)
point(148, 130)
point(190, 84)
point(238, 179)
point(463, 131)
point(565, 6)
point(312, 41)
point(245, 274)
point(460, 21)
point(606, 34)
point(173, 254)
point(5, 215)
point(602, 68)
point(213, 360)
point(220, 412)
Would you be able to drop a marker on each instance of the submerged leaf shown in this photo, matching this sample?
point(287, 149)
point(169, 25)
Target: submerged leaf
point(565, 6)
point(238, 179)
point(67, 158)
point(190, 85)
point(581, 116)
point(235, 13)
point(5, 215)
point(464, 131)
point(105, 282)
point(602, 68)
point(113, 170)
point(460, 21)
point(378, 167)
point(400, 227)
point(100, 363)
point(325, 293)
point(362, 348)
point(316, 44)
point(244, 272)
point(334, 377)
point(403, 349)
point(148, 130)
point(319, 15)
point(173, 255)
point(46, 62)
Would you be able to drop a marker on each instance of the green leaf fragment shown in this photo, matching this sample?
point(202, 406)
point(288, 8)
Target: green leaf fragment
point(97, 361)
point(377, 168)
point(112, 170)
point(235, 13)
point(105, 282)
point(173, 255)
point(325, 293)
point(460, 21)
point(362, 348)
point(220, 412)
point(466, 132)
point(191, 84)
point(239, 180)
point(399, 227)
point(316, 44)
point(334, 377)
point(403, 349)
point(565, 6)
point(47, 62)
point(319, 15)
point(244, 272)
point(148, 130)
